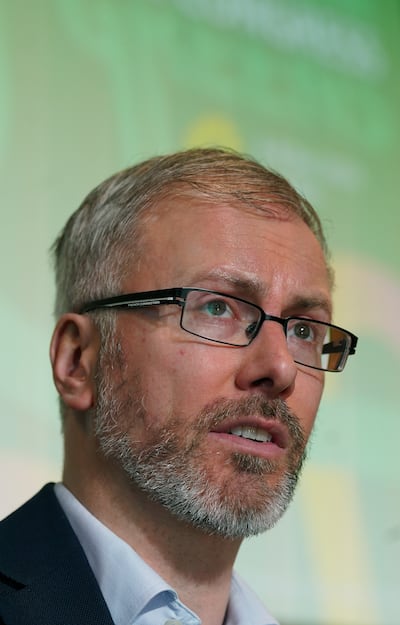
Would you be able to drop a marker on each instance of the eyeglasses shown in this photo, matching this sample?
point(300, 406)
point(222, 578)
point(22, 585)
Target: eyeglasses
point(234, 321)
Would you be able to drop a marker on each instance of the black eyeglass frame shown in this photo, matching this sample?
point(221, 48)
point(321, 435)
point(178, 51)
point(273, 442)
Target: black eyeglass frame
point(178, 295)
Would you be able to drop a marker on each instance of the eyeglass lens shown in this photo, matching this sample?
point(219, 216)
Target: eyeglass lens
point(228, 320)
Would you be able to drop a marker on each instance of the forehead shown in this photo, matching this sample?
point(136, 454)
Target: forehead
point(195, 242)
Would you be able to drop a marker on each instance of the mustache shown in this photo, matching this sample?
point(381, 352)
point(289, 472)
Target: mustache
point(216, 412)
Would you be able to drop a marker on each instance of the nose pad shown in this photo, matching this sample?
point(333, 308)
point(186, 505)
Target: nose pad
point(252, 330)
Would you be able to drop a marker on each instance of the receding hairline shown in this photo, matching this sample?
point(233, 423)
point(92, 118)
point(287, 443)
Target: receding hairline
point(162, 205)
point(92, 251)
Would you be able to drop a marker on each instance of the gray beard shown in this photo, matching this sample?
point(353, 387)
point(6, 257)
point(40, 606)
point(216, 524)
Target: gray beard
point(169, 465)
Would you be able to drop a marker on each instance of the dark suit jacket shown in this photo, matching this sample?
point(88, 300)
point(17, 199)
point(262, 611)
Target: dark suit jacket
point(45, 578)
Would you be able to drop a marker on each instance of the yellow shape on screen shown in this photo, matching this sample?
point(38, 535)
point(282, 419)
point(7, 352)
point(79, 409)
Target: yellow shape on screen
point(338, 545)
point(213, 129)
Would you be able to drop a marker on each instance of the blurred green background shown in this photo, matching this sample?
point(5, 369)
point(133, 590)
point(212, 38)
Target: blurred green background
point(309, 87)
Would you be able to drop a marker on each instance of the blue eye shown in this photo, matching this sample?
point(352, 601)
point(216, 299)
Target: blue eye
point(216, 308)
point(302, 331)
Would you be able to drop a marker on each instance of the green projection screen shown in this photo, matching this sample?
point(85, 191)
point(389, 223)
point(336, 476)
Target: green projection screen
point(310, 88)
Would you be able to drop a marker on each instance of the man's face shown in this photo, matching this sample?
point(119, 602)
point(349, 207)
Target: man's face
point(181, 413)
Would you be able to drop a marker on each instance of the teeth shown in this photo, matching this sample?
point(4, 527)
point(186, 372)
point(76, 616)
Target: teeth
point(255, 434)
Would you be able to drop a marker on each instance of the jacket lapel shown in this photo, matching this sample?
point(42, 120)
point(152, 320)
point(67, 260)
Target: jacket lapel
point(44, 574)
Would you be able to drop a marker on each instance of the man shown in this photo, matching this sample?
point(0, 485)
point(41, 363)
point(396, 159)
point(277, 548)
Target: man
point(193, 307)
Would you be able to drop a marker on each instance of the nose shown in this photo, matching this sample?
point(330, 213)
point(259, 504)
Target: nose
point(267, 365)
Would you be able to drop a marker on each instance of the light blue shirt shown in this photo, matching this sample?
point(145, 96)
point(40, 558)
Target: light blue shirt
point(117, 568)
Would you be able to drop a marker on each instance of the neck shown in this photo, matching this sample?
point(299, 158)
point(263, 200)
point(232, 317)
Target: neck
point(197, 565)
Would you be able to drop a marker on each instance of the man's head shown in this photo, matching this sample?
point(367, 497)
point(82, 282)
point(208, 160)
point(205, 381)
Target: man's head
point(176, 412)
point(102, 238)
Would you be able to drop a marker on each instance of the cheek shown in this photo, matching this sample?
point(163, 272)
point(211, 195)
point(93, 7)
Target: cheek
point(195, 372)
point(166, 380)
point(184, 380)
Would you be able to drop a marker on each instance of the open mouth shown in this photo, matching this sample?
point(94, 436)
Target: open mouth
point(256, 430)
point(252, 433)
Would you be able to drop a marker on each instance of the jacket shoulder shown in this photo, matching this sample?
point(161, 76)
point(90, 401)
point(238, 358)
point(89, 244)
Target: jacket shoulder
point(35, 523)
point(44, 574)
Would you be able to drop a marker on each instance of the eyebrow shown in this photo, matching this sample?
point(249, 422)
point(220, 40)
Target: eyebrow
point(254, 287)
point(247, 283)
point(311, 303)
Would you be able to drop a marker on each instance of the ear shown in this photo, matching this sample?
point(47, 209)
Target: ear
point(74, 352)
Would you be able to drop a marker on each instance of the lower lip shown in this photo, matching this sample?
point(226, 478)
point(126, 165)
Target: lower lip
point(246, 446)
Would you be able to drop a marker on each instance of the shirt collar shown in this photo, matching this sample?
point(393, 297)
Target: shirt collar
point(126, 600)
point(245, 607)
point(105, 552)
